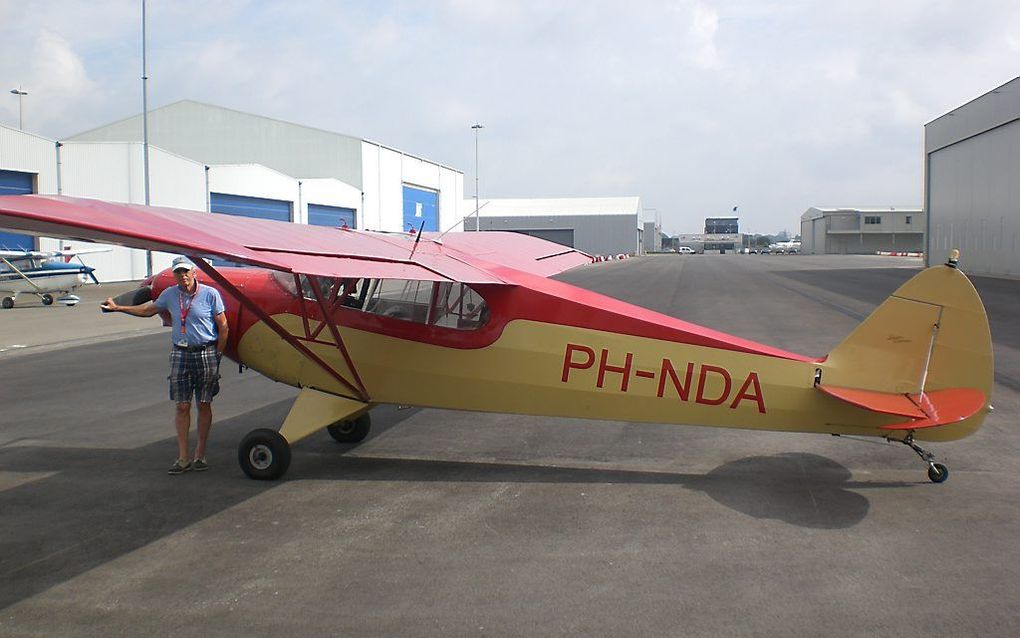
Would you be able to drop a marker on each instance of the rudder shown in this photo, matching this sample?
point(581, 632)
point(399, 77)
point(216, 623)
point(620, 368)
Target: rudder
point(931, 334)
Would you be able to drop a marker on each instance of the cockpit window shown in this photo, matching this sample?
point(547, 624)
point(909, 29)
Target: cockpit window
point(445, 304)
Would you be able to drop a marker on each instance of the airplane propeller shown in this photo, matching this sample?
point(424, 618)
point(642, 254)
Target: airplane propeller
point(90, 271)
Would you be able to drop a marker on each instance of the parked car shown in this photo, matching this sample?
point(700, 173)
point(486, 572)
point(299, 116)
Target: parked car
point(685, 250)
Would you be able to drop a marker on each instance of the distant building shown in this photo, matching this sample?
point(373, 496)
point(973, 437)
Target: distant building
point(721, 234)
point(722, 225)
point(972, 164)
point(595, 225)
point(861, 231)
point(651, 238)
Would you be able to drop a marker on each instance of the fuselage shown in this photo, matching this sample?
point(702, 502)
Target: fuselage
point(48, 276)
point(537, 347)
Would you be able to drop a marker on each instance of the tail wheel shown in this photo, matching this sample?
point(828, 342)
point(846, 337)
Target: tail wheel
point(938, 473)
point(264, 454)
point(351, 431)
point(47, 300)
point(7, 303)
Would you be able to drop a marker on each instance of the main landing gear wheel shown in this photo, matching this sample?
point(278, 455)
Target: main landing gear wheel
point(937, 472)
point(264, 454)
point(351, 431)
point(47, 300)
point(7, 303)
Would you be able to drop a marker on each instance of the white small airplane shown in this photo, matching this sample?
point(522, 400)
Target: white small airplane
point(44, 273)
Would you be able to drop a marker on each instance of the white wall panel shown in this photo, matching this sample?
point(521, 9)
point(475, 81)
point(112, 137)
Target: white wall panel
point(114, 171)
point(451, 199)
point(371, 183)
point(391, 191)
point(419, 172)
point(20, 151)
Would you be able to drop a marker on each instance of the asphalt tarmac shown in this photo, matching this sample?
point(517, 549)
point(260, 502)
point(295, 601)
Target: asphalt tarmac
point(465, 524)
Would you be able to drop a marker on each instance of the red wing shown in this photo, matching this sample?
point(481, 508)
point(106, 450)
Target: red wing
point(312, 250)
point(516, 250)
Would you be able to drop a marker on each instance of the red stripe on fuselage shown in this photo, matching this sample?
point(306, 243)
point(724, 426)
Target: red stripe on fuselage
point(529, 298)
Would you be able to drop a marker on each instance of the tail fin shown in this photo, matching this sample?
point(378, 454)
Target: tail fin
point(931, 335)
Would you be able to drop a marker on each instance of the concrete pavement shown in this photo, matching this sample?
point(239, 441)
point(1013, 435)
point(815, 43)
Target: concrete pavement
point(456, 524)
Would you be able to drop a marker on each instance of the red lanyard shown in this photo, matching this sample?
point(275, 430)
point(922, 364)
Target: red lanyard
point(185, 309)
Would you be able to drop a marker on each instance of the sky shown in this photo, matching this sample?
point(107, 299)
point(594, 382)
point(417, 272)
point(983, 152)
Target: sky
point(695, 106)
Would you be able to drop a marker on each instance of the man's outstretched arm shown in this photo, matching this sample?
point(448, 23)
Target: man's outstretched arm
point(147, 309)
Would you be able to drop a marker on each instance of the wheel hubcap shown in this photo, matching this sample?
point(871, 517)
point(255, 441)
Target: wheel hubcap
point(260, 457)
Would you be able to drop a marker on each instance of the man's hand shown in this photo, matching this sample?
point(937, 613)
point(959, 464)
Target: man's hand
point(109, 305)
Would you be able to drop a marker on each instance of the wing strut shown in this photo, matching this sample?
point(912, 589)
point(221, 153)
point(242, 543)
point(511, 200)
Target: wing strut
point(326, 318)
point(208, 269)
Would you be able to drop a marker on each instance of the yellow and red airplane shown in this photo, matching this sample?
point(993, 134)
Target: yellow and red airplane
point(471, 321)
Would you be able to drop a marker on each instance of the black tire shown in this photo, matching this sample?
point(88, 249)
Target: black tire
point(351, 431)
point(7, 303)
point(264, 455)
point(47, 300)
point(938, 473)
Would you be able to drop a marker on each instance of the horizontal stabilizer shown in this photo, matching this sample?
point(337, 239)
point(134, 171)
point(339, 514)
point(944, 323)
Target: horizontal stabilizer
point(926, 410)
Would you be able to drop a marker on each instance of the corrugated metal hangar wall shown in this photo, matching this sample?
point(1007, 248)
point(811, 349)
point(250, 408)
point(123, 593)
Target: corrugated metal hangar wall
point(595, 225)
point(972, 183)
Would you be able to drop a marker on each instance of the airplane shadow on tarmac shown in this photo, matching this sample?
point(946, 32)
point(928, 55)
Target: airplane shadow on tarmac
point(806, 490)
point(91, 505)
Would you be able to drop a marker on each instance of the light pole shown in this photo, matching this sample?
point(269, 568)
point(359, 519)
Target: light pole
point(476, 128)
point(145, 136)
point(21, 96)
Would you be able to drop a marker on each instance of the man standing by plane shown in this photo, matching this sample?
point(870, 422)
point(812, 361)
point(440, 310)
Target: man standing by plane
point(198, 339)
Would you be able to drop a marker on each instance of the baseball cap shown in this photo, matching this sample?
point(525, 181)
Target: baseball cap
point(182, 263)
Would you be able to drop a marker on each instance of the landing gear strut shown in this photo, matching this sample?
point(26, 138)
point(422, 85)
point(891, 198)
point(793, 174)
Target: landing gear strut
point(937, 472)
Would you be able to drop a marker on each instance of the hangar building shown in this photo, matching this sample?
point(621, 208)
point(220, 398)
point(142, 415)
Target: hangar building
point(595, 225)
point(861, 231)
point(971, 186)
point(207, 158)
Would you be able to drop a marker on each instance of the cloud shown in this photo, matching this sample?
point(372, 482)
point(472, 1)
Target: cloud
point(56, 79)
point(704, 25)
point(691, 104)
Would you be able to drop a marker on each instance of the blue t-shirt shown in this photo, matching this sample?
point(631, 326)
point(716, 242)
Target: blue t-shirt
point(201, 325)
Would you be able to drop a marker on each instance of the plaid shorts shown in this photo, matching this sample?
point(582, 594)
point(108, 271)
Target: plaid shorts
point(194, 373)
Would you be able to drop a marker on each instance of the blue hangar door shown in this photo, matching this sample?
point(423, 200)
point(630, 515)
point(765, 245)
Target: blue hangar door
point(16, 183)
point(241, 206)
point(332, 216)
point(420, 205)
point(257, 207)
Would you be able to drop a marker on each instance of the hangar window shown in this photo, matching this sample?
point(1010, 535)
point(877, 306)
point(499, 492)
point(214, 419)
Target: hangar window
point(873, 219)
point(910, 218)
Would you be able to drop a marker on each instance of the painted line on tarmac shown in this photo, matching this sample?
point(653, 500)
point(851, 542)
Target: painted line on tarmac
point(18, 350)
